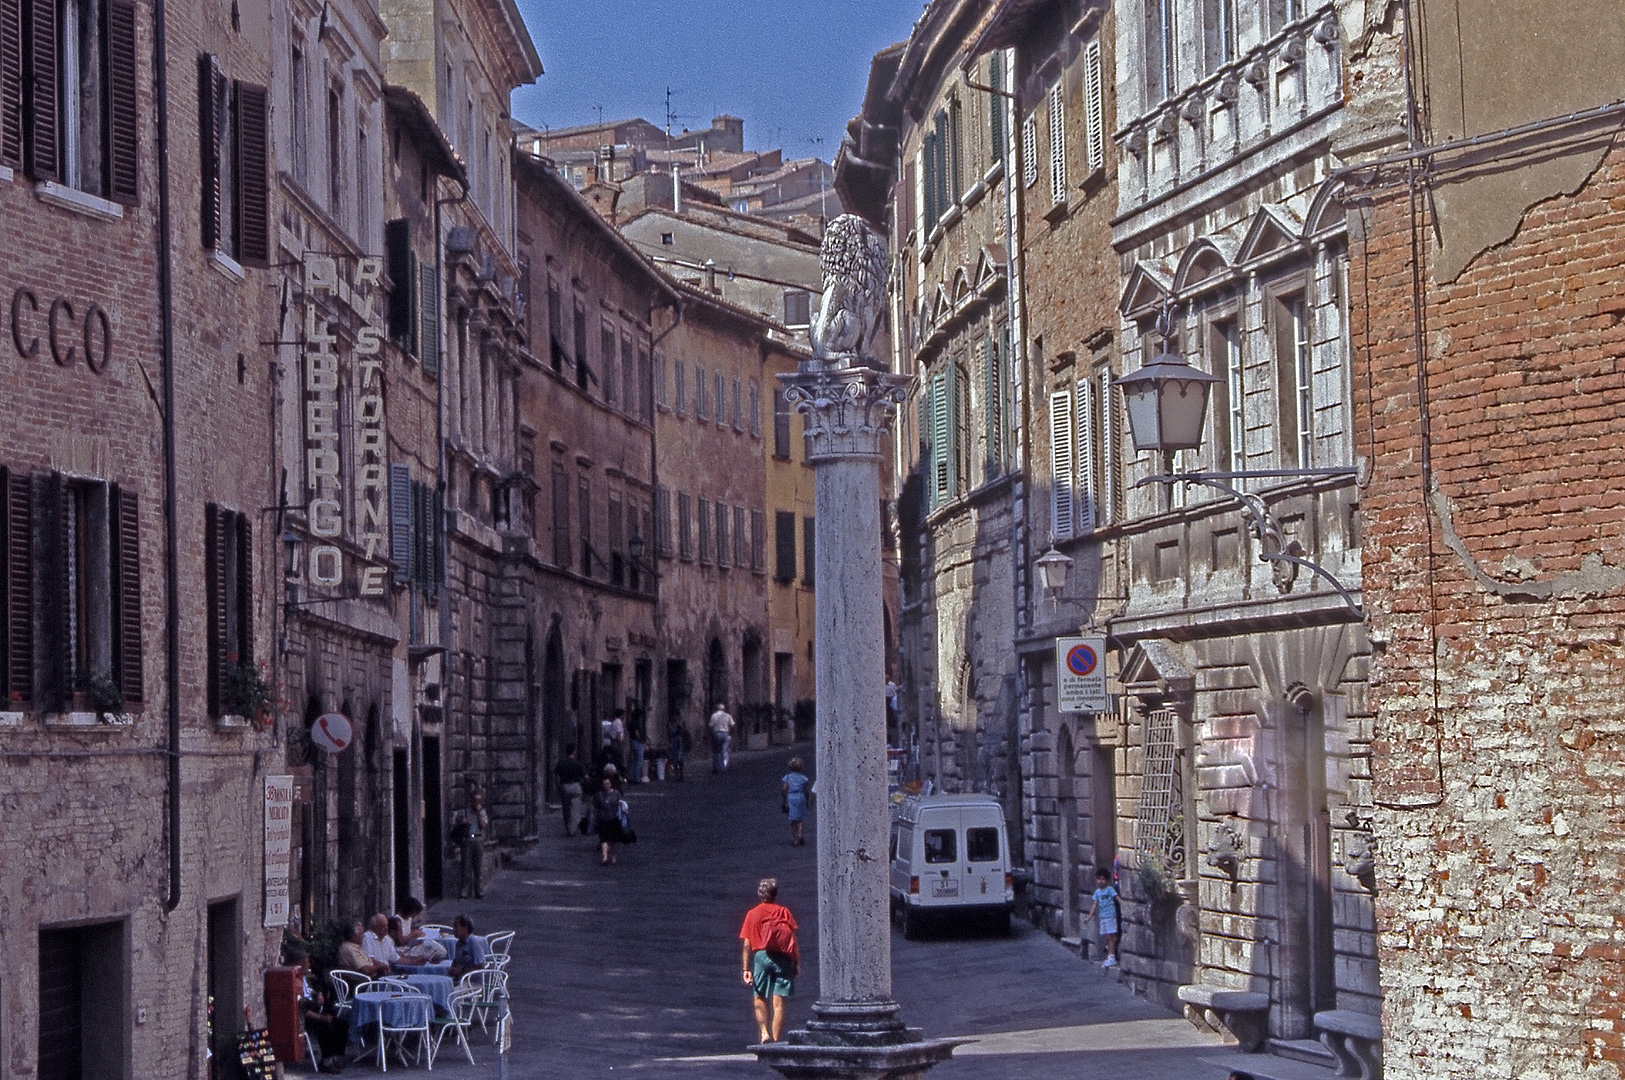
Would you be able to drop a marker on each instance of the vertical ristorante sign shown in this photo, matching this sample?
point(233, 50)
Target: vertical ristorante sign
point(327, 423)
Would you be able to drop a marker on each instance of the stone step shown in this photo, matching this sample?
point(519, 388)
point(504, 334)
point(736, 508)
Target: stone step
point(1271, 1066)
point(1305, 1050)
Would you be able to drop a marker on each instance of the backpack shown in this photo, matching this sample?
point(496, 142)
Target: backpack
point(778, 936)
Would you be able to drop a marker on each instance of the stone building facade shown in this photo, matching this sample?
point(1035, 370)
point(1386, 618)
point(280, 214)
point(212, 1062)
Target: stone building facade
point(595, 324)
point(1060, 57)
point(1488, 323)
point(711, 528)
point(930, 157)
point(138, 402)
point(1245, 726)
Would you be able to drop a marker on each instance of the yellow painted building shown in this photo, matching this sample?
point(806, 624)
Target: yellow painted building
point(790, 528)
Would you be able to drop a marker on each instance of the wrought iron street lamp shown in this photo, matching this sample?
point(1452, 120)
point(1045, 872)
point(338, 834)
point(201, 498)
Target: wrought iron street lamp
point(1053, 567)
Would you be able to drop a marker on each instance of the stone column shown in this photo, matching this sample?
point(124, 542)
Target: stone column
point(857, 1032)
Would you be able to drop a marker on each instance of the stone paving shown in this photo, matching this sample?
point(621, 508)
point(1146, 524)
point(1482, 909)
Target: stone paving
point(634, 968)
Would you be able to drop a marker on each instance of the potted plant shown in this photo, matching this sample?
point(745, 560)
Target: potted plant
point(245, 692)
point(99, 692)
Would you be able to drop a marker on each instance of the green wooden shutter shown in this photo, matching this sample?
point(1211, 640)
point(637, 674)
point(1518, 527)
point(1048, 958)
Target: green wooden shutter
point(429, 319)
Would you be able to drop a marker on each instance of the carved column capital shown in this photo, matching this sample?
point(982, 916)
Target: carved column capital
point(848, 411)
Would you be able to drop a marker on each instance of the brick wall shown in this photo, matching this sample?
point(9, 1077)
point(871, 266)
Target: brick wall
point(1499, 750)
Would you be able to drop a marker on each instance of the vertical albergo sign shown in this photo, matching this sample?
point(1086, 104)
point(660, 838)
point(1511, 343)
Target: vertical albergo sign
point(324, 472)
point(1080, 675)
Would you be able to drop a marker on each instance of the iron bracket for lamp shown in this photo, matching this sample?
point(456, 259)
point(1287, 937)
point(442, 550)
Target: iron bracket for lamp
point(1273, 547)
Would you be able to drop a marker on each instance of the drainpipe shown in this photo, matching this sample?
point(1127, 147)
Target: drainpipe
point(172, 603)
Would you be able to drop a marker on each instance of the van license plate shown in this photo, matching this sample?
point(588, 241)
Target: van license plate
point(945, 887)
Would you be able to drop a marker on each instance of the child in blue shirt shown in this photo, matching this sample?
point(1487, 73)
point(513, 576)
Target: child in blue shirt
point(1105, 905)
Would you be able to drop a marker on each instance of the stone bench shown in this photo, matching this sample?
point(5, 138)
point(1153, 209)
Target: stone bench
point(1243, 1013)
point(1355, 1039)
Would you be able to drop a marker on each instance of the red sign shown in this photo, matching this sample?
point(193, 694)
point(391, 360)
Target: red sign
point(332, 732)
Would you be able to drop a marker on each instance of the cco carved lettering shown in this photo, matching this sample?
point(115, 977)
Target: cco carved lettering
point(69, 333)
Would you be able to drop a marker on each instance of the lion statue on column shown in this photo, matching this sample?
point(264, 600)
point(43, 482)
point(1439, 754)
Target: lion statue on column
point(854, 265)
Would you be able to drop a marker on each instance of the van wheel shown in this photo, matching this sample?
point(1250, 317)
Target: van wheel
point(911, 923)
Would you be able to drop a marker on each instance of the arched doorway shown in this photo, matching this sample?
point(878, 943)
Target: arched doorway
point(716, 677)
point(1066, 807)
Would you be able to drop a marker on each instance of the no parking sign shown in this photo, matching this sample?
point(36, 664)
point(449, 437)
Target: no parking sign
point(1080, 675)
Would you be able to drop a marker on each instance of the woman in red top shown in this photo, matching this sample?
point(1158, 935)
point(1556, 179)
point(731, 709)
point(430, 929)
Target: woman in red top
point(770, 958)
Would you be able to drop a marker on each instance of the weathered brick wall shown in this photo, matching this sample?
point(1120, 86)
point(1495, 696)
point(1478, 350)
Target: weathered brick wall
point(1499, 752)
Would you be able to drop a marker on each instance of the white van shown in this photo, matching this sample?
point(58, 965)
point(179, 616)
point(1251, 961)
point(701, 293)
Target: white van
point(950, 855)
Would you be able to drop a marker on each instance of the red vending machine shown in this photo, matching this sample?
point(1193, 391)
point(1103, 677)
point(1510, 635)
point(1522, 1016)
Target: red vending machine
point(282, 992)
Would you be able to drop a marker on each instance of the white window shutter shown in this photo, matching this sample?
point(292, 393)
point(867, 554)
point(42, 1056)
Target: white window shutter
point(1060, 464)
point(941, 420)
point(1110, 452)
point(1087, 495)
point(1094, 106)
point(1057, 143)
point(1029, 151)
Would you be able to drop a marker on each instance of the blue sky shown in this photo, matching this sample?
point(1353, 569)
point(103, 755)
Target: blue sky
point(794, 69)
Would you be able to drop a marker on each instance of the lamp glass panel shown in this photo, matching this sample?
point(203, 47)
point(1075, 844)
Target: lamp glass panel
point(1184, 412)
point(1144, 425)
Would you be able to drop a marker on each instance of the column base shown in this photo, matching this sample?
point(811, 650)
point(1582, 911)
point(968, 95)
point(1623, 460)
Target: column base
point(855, 1041)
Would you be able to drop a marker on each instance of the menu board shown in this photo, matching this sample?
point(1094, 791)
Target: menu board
point(278, 847)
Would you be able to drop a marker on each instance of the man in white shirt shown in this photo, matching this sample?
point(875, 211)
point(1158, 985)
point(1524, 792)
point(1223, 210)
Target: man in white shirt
point(722, 729)
point(377, 943)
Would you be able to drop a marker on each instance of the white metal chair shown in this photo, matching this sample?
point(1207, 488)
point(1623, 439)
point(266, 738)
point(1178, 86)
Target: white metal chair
point(499, 942)
point(344, 983)
point(492, 984)
point(460, 1014)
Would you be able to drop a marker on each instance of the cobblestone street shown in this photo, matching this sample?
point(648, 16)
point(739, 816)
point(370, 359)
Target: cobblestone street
point(634, 968)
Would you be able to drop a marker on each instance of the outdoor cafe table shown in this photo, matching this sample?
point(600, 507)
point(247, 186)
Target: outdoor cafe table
point(442, 968)
point(438, 987)
point(394, 1008)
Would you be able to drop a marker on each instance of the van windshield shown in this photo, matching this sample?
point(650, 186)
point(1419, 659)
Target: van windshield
point(981, 845)
point(941, 846)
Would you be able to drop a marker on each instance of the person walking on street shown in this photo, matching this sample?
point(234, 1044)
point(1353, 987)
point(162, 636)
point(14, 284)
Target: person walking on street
point(1105, 904)
point(570, 774)
point(638, 748)
point(770, 958)
point(609, 819)
point(794, 791)
point(468, 828)
point(676, 747)
point(722, 730)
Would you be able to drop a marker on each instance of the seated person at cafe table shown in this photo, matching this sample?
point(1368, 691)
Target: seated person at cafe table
point(471, 950)
point(411, 915)
point(378, 945)
point(353, 956)
point(414, 953)
point(329, 1028)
